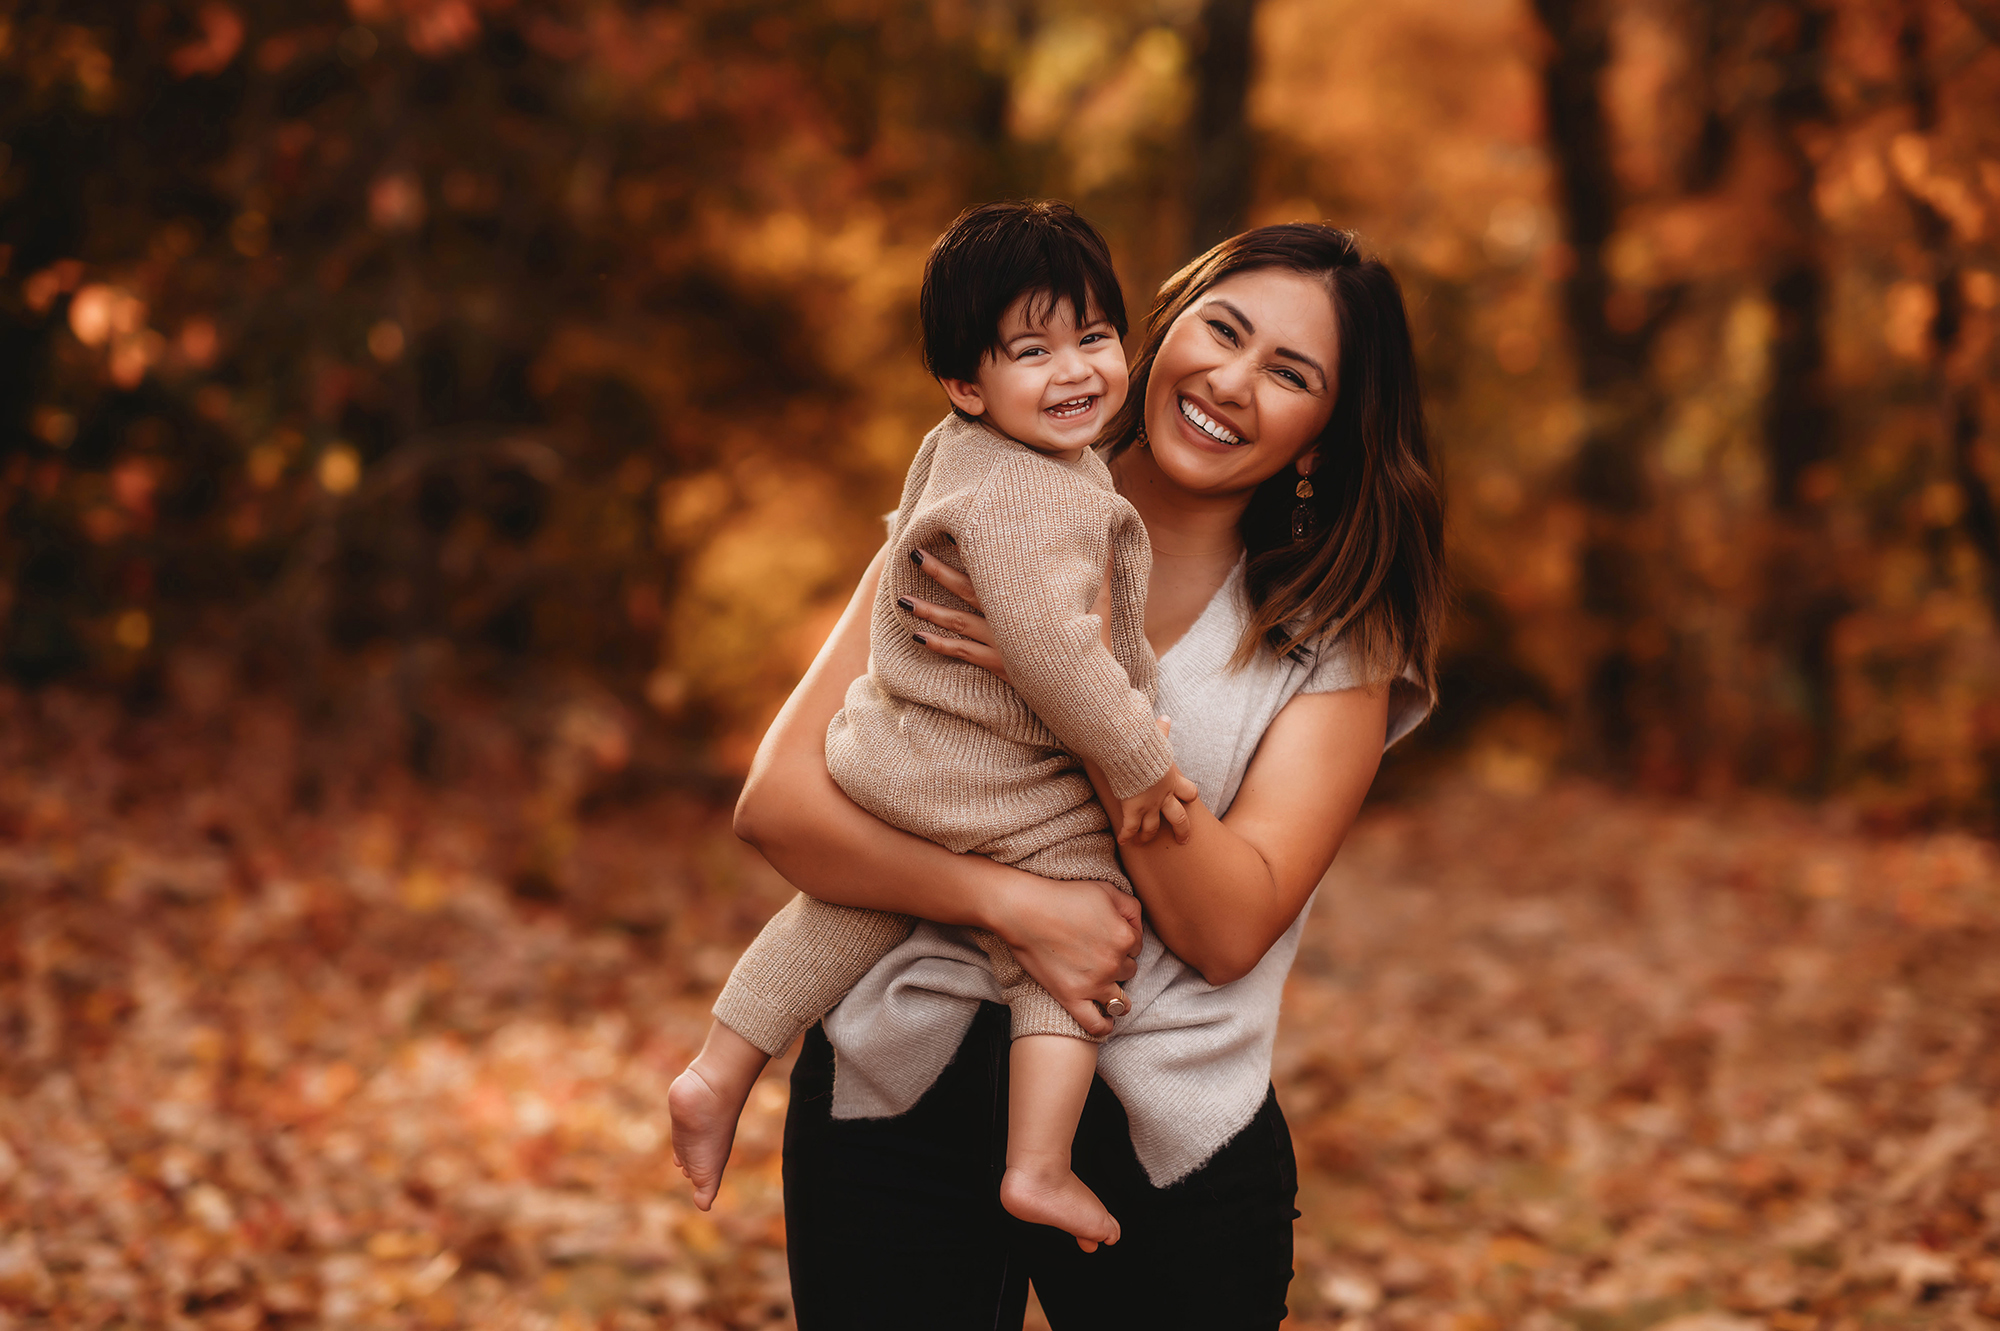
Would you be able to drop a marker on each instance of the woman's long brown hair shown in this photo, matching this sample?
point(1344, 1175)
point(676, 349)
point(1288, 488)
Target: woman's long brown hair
point(1373, 572)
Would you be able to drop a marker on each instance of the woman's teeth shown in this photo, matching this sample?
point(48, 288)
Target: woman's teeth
point(1075, 407)
point(1212, 429)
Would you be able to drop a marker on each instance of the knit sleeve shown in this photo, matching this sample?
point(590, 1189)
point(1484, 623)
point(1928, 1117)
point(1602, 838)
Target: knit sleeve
point(1334, 669)
point(1034, 541)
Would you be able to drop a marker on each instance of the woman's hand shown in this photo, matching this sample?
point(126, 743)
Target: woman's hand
point(1078, 939)
point(976, 646)
point(976, 643)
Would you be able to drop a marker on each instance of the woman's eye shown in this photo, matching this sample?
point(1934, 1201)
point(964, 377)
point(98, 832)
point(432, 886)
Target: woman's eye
point(1222, 329)
point(1292, 377)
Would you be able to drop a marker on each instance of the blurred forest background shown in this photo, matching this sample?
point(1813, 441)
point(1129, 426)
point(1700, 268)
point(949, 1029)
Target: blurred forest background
point(429, 346)
point(435, 434)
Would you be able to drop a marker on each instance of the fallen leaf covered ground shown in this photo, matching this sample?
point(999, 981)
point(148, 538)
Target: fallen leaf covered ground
point(396, 1055)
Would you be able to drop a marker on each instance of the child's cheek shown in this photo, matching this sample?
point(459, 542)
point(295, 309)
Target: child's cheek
point(1118, 382)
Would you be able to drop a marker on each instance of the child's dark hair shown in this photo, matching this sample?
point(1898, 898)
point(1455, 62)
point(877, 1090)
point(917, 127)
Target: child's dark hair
point(990, 257)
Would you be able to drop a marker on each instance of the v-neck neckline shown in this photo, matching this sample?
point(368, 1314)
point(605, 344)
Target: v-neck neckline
point(1217, 604)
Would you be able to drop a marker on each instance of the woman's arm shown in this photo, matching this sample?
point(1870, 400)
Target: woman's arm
point(1220, 892)
point(1222, 898)
point(1076, 939)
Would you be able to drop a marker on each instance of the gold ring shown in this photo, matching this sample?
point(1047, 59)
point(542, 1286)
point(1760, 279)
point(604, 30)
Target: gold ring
point(1117, 1007)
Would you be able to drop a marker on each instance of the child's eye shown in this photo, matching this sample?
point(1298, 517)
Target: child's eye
point(1089, 338)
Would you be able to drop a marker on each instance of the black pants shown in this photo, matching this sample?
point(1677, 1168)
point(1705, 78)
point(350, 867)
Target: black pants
point(897, 1223)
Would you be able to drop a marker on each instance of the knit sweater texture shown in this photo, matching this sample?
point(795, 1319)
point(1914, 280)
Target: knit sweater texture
point(955, 754)
point(1192, 1061)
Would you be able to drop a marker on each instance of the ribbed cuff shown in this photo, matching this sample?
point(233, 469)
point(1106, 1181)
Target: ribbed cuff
point(1131, 773)
point(1036, 1013)
point(757, 1019)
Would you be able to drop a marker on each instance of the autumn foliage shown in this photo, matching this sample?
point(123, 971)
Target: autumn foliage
point(1567, 1060)
point(462, 340)
point(434, 434)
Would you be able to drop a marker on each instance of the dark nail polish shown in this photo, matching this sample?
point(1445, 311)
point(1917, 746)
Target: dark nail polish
point(916, 557)
point(918, 637)
point(903, 603)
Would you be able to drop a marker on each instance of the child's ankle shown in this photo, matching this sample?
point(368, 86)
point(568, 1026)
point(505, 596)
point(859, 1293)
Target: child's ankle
point(729, 1064)
point(1039, 1164)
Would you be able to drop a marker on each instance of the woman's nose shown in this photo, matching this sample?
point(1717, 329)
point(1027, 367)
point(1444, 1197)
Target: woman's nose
point(1230, 381)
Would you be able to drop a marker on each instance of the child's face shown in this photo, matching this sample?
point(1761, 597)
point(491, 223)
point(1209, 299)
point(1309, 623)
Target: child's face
point(1051, 385)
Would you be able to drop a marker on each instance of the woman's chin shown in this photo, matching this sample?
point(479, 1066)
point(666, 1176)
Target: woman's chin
point(1213, 471)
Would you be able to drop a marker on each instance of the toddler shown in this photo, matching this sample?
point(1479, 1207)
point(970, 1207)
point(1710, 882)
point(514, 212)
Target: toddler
point(1022, 320)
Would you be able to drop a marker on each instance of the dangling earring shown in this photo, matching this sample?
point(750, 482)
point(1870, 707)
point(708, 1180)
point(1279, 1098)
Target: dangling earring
point(1303, 518)
point(1141, 440)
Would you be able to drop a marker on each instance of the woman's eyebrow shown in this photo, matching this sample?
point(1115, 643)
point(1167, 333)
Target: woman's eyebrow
point(1241, 317)
point(1286, 352)
point(1303, 359)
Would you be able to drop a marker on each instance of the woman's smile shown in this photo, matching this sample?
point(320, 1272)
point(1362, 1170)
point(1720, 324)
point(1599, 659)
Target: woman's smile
point(1238, 390)
point(1207, 429)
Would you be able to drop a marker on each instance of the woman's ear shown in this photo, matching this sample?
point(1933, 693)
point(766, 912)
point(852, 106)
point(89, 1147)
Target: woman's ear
point(1308, 462)
point(964, 395)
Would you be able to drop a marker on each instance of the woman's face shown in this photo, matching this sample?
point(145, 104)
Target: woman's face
point(1244, 382)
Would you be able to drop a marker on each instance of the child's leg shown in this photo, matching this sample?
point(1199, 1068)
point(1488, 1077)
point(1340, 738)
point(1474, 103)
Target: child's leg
point(1048, 1081)
point(801, 963)
point(705, 1101)
point(1052, 1063)
point(805, 960)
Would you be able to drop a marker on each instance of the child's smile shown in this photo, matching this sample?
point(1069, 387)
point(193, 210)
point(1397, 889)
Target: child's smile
point(1074, 409)
point(1051, 384)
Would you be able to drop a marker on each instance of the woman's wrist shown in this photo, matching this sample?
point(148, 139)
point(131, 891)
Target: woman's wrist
point(999, 903)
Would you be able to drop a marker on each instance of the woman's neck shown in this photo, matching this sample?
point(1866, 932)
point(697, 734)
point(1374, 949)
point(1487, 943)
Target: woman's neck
point(1196, 540)
point(1180, 525)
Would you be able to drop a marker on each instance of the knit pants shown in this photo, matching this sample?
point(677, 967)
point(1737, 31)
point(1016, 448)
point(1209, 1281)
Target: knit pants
point(811, 953)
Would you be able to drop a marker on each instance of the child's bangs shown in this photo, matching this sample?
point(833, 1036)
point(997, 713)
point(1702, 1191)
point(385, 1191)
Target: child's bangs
point(1068, 282)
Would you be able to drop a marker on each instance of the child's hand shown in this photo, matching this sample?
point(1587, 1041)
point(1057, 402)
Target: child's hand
point(1139, 816)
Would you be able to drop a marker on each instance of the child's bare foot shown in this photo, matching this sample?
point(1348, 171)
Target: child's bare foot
point(704, 1130)
point(704, 1103)
point(1049, 1194)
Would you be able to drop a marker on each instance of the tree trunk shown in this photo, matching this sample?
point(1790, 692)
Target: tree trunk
point(1804, 600)
point(1957, 394)
point(1612, 338)
point(1798, 418)
point(1220, 199)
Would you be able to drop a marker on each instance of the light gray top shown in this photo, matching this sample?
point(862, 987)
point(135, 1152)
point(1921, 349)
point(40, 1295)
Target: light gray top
point(1192, 1060)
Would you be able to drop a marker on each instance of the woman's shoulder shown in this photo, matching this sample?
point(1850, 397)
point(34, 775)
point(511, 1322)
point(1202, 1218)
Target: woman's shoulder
point(1335, 664)
point(1206, 665)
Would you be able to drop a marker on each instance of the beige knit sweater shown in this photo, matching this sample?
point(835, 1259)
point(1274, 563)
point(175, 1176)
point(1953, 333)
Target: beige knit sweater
point(955, 754)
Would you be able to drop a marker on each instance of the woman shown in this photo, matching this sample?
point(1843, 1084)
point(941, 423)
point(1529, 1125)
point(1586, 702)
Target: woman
point(1274, 445)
